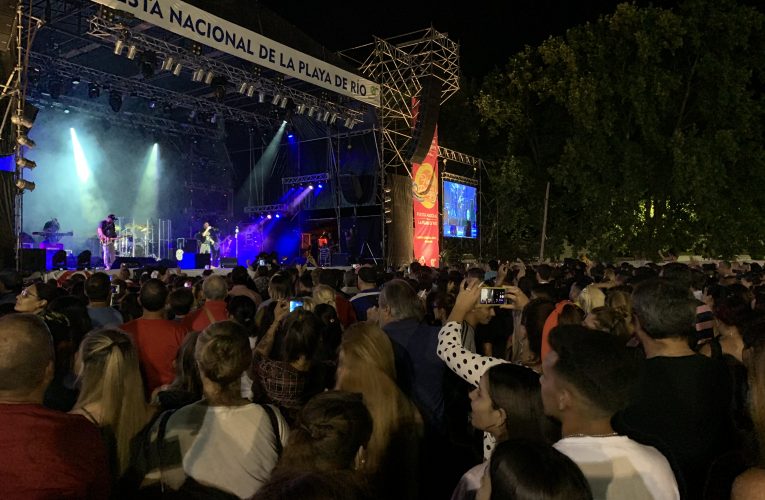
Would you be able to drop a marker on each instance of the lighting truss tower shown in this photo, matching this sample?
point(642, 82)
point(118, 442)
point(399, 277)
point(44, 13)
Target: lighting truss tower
point(401, 66)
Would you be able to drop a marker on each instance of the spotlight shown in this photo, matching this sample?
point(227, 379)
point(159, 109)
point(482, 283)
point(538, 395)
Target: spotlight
point(387, 210)
point(311, 111)
point(250, 90)
point(321, 186)
point(25, 141)
point(115, 101)
point(209, 77)
point(24, 163)
point(301, 109)
point(214, 118)
point(348, 122)
point(132, 52)
point(310, 186)
point(278, 216)
point(261, 96)
point(94, 90)
point(268, 216)
point(76, 80)
point(27, 118)
point(177, 69)
point(83, 259)
point(351, 125)
point(290, 135)
point(25, 185)
point(276, 99)
point(388, 220)
point(243, 88)
point(387, 189)
point(168, 63)
point(387, 199)
point(152, 104)
point(333, 118)
point(119, 45)
point(284, 103)
point(198, 75)
point(325, 116)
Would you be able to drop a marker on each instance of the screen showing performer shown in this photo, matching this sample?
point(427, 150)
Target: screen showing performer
point(459, 211)
point(107, 234)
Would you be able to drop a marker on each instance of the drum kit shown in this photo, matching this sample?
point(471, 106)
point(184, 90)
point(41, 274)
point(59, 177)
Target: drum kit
point(135, 240)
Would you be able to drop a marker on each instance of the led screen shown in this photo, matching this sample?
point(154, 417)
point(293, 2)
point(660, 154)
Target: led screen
point(459, 211)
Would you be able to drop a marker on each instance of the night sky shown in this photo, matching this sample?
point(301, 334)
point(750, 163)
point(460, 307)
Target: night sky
point(488, 31)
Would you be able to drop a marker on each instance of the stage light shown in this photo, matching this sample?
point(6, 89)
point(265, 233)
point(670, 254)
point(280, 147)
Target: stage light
point(58, 261)
point(290, 135)
point(250, 90)
point(388, 220)
point(310, 186)
point(177, 69)
point(387, 210)
point(387, 199)
point(168, 63)
point(80, 161)
point(284, 103)
point(387, 189)
point(198, 75)
point(25, 141)
point(94, 90)
point(261, 96)
point(83, 260)
point(21, 121)
point(132, 52)
point(66, 111)
point(333, 118)
point(214, 118)
point(321, 186)
point(243, 88)
point(300, 109)
point(209, 77)
point(325, 116)
point(311, 111)
point(119, 45)
point(278, 216)
point(115, 101)
point(24, 163)
point(25, 185)
point(268, 216)
point(76, 80)
point(276, 99)
point(348, 122)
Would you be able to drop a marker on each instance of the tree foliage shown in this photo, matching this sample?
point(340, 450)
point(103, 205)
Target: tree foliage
point(648, 123)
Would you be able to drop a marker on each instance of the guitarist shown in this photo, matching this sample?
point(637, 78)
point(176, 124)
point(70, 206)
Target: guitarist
point(107, 234)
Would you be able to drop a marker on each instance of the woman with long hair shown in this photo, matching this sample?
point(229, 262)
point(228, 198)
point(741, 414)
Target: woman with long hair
point(366, 365)
point(111, 391)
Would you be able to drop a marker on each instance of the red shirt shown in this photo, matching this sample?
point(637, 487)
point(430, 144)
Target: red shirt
point(199, 320)
point(47, 454)
point(157, 341)
point(345, 311)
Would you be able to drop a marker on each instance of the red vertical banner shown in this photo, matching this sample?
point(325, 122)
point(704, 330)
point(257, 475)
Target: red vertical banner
point(426, 224)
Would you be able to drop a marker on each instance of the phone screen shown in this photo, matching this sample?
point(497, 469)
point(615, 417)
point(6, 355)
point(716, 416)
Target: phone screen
point(294, 304)
point(262, 262)
point(492, 296)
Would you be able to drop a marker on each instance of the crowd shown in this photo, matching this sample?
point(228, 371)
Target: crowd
point(575, 381)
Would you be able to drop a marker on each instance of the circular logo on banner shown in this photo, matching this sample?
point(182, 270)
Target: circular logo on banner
point(424, 187)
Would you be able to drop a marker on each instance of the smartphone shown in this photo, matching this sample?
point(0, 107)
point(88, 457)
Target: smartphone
point(492, 296)
point(294, 304)
point(262, 262)
point(115, 289)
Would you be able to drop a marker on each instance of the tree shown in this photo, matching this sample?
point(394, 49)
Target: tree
point(649, 125)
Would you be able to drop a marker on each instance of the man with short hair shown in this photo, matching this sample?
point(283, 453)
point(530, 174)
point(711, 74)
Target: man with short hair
point(180, 301)
point(156, 339)
point(681, 404)
point(98, 290)
point(214, 289)
point(368, 294)
point(107, 234)
point(586, 378)
point(45, 453)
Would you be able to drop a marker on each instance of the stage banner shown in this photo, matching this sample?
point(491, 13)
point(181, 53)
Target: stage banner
point(426, 225)
point(200, 26)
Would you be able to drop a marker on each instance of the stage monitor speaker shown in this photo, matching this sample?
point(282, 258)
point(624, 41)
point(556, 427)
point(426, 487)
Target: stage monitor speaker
point(427, 119)
point(201, 260)
point(229, 262)
point(339, 259)
point(32, 260)
point(134, 262)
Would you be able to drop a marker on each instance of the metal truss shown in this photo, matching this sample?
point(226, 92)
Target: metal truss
point(448, 176)
point(256, 209)
point(138, 88)
point(124, 118)
point(249, 83)
point(303, 179)
point(463, 158)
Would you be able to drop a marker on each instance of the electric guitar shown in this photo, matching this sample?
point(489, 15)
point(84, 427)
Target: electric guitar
point(105, 240)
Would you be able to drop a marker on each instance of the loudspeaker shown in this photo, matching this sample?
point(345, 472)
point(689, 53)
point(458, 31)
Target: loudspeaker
point(134, 262)
point(228, 262)
point(340, 259)
point(201, 260)
point(32, 259)
point(350, 186)
point(427, 119)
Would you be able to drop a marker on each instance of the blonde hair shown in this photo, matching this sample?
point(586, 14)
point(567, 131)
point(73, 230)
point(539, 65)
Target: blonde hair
point(369, 369)
point(110, 377)
point(324, 294)
point(590, 298)
point(223, 352)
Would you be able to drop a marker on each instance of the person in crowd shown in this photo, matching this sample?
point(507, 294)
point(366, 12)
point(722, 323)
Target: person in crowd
point(304, 285)
point(200, 446)
point(442, 305)
point(525, 469)
point(324, 294)
point(587, 377)
point(330, 334)
point(179, 303)
point(111, 392)
point(315, 485)
point(366, 365)
point(527, 341)
point(732, 312)
point(286, 374)
point(129, 306)
point(751, 483)
point(694, 393)
point(243, 285)
point(349, 283)
point(242, 310)
point(608, 319)
point(69, 459)
point(506, 404)
point(334, 279)
point(419, 369)
point(157, 339)
point(590, 298)
point(279, 288)
point(98, 290)
point(332, 433)
point(367, 296)
point(186, 387)
point(215, 290)
point(34, 298)
point(11, 285)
